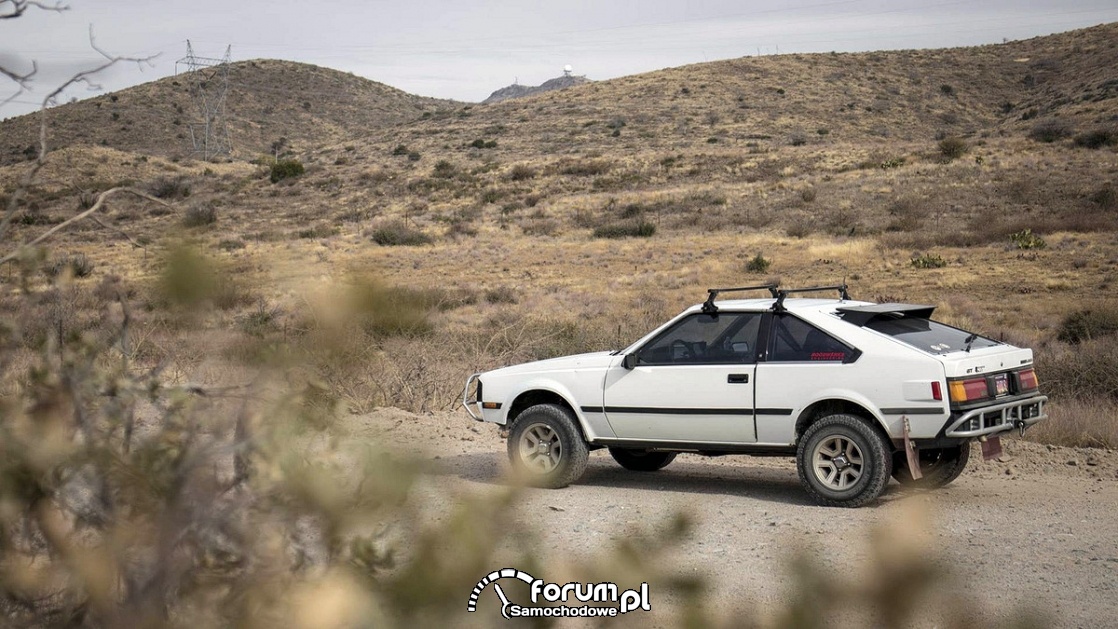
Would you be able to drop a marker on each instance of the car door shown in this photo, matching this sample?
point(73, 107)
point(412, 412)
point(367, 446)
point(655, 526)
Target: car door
point(691, 383)
point(800, 360)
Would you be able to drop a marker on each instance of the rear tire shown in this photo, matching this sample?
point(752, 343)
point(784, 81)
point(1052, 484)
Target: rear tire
point(843, 461)
point(546, 448)
point(639, 460)
point(939, 466)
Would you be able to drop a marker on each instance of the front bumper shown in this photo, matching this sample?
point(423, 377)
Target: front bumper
point(471, 397)
point(998, 418)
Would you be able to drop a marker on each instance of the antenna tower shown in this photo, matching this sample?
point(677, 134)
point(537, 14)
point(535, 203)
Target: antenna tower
point(209, 82)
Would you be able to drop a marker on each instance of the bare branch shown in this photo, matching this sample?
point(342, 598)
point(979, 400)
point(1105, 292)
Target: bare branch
point(11, 9)
point(40, 159)
point(96, 206)
point(21, 81)
point(135, 244)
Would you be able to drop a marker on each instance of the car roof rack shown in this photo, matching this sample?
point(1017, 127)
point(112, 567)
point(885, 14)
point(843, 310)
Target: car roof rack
point(782, 294)
point(710, 308)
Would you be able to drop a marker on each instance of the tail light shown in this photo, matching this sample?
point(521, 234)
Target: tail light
point(963, 391)
point(937, 393)
point(1026, 380)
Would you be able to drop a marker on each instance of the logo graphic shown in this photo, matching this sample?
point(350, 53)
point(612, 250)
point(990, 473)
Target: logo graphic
point(607, 592)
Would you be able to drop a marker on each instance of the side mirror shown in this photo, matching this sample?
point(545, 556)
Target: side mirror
point(629, 361)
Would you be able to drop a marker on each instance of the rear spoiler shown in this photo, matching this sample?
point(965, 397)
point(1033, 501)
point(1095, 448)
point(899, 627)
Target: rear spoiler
point(861, 315)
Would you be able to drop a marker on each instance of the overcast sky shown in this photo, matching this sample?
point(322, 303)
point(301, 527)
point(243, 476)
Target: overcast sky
point(465, 49)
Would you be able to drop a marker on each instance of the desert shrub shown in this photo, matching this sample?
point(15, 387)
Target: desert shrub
point(1084, 325)
point(637, 229)
point(1087, 369)
point(1078, 422)
point(386, 311)
point(321, 230)
point(444, 169)
point(946, 89)
point(799, 228)
point(461, 227)
point(502, 295)
point(231, 244)
point(759, 264)
point(170, 188)
point(797, 139)
point(199, 215)
point(78, 265)
point(891, 162)
point(401, 149)
point(398, 234)
point(414, 156)
point(1051, 130)
point(928, 261)
point(539, 226)
point(1097, 139)
point(1105, 197)
point(491, 195)
point(807, 195)
point(953, 148)
point(1026, 239)
point(585, 168)
point(286, 169)
point(522, 172)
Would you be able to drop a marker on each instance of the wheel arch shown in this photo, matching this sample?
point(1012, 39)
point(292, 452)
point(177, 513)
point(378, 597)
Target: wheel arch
point(834, 405)
point(540, 395)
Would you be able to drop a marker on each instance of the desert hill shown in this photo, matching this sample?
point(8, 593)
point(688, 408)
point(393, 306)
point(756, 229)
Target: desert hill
point(921, 147)
point(517, 90)
point(267, 100)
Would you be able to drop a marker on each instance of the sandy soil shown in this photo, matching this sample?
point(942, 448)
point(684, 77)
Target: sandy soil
point(1034, 531)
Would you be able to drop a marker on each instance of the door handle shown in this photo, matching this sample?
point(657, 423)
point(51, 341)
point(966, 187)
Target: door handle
point(738, 378)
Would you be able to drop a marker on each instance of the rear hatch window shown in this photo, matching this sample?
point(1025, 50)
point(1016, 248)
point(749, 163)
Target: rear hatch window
point(927, 335)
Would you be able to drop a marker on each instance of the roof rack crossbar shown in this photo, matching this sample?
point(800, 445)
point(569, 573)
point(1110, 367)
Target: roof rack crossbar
point(780, 295)
point(712, 293)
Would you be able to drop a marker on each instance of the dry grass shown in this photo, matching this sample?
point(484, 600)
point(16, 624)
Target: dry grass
point(1090, 422)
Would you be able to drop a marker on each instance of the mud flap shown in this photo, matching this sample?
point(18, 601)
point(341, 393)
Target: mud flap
point(912, 457)
point(991, 447)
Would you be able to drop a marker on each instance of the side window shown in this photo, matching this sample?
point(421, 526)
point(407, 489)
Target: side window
point(705, 339)
point(797, 340)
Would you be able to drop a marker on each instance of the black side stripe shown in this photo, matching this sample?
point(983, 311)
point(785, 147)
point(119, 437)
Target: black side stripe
point(926, 410)
point(667, 411)
point(774, 411)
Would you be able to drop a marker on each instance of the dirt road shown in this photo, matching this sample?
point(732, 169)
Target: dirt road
point(1037, 532)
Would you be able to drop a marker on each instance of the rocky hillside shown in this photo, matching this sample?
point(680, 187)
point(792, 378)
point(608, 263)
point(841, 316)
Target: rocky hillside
point(520, 91)
point(267, 100)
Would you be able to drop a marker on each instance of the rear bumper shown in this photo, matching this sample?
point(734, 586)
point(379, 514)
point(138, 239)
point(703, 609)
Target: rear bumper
point(997, 418)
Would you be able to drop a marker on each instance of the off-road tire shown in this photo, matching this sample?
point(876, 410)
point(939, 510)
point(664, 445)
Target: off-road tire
point(566, 454)
point(843, 461)
point(940, 466)
point(639, 460)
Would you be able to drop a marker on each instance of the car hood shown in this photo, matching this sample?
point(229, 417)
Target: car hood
point(594, 360)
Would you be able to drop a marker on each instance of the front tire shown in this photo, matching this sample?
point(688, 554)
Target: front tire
point(843, 461)
point(939, 466)
point(639, 460)
point(546, 448)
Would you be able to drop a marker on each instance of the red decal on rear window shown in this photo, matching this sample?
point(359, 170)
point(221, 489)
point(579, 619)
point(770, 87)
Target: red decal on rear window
point(828, 355)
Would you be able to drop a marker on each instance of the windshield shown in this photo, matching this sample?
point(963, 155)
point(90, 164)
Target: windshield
point(930, 336)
